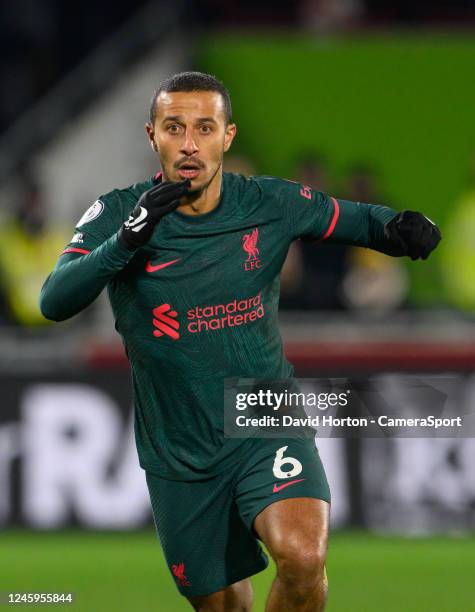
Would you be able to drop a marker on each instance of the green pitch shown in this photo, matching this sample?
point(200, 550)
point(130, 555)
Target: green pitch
point(126, 572)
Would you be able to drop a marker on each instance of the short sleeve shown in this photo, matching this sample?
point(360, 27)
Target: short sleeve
point(99, 222)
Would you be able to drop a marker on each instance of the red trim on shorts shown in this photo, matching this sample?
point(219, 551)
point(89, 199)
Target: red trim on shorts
point(75, 250)
point(336, 214)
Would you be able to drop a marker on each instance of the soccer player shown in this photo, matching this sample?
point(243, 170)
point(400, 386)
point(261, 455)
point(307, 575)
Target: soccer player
point(191, 259)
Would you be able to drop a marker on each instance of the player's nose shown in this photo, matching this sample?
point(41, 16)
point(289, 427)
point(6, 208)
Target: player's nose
point(189, 145)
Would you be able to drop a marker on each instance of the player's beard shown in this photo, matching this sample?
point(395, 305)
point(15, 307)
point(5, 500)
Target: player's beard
point(193, 194)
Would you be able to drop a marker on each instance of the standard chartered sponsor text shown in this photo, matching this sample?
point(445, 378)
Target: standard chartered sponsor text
point(220, 316)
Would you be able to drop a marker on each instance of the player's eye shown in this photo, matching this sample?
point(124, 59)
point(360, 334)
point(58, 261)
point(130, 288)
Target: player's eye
point(173, 128)
point(205, 129)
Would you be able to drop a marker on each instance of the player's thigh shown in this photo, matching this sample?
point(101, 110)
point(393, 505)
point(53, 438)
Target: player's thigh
point(295, 531)
point(206, 544)
point(237, 596)
point(283, 494)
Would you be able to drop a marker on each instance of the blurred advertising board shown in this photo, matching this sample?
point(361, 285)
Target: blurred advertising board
point(67, 457)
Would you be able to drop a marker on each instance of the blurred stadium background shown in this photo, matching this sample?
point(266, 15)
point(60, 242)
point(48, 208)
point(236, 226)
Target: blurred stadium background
point(370, 101)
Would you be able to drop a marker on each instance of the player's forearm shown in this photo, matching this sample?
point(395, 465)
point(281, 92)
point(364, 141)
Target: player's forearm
point(73, 285)
point(361, 224)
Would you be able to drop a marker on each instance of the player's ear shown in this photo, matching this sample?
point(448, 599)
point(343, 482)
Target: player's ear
point(151, 136)
point(229, 135)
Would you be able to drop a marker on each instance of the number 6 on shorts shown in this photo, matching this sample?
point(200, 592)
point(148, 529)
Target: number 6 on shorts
point(280, 461)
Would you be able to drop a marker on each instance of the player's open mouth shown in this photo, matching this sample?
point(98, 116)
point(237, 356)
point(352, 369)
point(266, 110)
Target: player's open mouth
point(189, 171)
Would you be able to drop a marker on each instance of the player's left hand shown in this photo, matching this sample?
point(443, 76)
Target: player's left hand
point(411, 233)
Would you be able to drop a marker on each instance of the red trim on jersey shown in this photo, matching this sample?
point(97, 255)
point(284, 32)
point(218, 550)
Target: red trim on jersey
point(75, 250)
point(336, 214)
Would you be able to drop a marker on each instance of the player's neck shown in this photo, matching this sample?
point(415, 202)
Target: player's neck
point(204, 201)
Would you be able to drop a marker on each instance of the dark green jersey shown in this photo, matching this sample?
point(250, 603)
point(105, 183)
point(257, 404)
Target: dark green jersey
point(199, 303)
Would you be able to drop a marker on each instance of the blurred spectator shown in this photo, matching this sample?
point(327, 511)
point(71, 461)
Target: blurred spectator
point(457, 256)
point(372, 280)
point(239, 164)
point(331, 15)
point(312, 274)
point(29, 248)
point(361, 185)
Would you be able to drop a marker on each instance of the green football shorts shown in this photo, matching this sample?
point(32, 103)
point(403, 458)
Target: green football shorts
point(205, 527)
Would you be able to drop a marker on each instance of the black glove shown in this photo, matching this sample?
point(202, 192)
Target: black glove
point(411, 233)
point(153, 204)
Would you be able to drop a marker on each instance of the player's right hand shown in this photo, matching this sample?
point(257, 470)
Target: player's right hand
point(152, 205)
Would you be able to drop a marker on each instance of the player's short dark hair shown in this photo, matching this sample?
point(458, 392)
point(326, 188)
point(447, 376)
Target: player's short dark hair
point(192, 81)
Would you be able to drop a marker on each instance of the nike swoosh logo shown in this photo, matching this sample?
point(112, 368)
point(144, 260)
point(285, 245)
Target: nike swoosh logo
point(278, 488)
point(151, 268)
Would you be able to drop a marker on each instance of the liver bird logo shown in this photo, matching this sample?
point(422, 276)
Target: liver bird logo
point(179, 573)
point(249, 242)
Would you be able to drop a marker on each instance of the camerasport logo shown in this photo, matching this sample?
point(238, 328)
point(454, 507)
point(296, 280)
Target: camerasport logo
point(208, 318)
point(249, 244)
